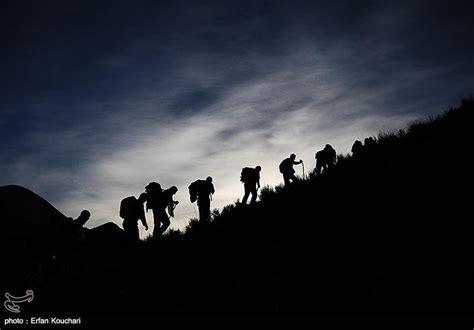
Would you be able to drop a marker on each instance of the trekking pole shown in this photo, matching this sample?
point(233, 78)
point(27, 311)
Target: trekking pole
point(303, 168)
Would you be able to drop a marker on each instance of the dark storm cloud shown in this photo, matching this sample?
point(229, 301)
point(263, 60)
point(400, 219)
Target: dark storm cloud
point(99, 97)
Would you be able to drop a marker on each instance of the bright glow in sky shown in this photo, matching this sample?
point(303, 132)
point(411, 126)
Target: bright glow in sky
point(98, 100)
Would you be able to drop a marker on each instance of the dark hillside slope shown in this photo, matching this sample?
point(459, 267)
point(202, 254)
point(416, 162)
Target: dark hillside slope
point(21, 211)
point(387, 233)
point(32, 232)
point(28, 223)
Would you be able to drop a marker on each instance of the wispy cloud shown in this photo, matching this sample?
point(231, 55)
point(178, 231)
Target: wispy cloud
point(298, 108)
point(169, 106)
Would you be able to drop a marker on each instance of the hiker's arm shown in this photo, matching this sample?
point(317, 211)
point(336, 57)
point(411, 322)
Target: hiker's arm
point(144, 223)
point(298, 162)
point(143, 219)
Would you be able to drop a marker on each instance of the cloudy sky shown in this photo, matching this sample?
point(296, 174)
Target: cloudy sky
point(98, 98)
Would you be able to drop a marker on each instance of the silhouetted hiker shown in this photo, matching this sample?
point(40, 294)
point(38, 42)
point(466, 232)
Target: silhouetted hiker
point(251, 179)
point(325, 158)
point(152, 196)
point(202, 190)
point(161, 218)
point(131, 210)
point(78, 238)
point(286, 168)
point(369, 143)
point(357, 148)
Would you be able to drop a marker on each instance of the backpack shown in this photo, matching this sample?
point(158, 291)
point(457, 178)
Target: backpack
point(153, 193)
point(247, 174)
point(128, 207)
point(321, 156)
point(194, 189)
point(283, 166)
point(154, 200)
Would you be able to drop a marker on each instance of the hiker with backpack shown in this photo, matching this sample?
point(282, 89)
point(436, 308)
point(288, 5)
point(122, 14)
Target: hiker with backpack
point(158, 200)
point(131, 210)
point(251, 180)
point(162, 219)
point(286, 168)
point(325, 158)
point(152, 197)
point(201, 191)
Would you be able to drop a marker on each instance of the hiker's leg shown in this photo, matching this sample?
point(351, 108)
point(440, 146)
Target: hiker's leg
point(246, 195)
point(254, 195)
point(207, 212)
point(126, 228)
point(286, 179)
point(202, 210)
point(318, 168)
point(205, 209)
point(156, 230)
point(131, 230)
point(293, 177)
point(134, 234)
point(165, 223)
point(326, 166)
point(156, 221)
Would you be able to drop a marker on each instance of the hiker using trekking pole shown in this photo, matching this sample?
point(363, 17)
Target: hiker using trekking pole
point(201, 191)
point(286, 168)
point(251, 180)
